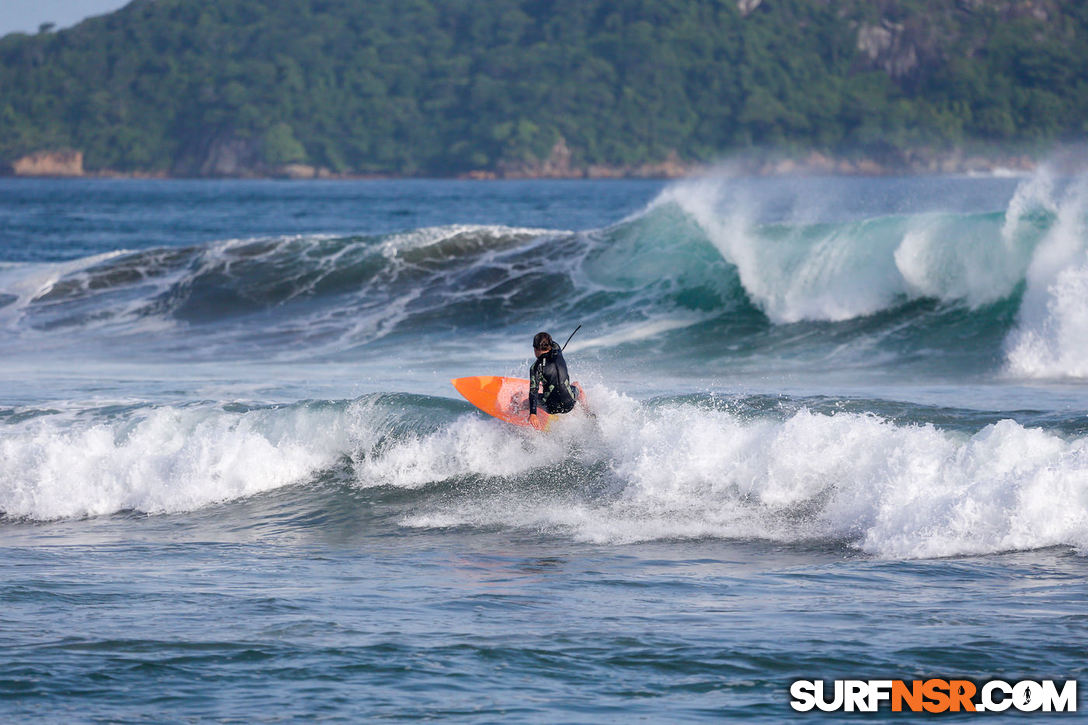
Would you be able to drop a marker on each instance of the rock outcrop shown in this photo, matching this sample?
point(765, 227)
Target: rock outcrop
point(889, 47)
point(296, 171)
point(223, 155)
point(560, 165)
point(672, 167)
point(747, 6)
point(227, 155)
point(556, 166)
point(59, 162)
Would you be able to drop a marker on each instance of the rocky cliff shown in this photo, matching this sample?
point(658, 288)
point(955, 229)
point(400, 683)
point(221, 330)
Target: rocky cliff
point(61, 162)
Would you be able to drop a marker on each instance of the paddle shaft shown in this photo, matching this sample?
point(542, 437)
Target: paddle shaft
point(576, 329)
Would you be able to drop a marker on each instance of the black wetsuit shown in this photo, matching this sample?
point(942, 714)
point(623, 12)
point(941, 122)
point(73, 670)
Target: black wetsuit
point(549, 384)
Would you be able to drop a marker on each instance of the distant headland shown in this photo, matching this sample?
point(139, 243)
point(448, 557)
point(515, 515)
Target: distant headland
point(566, 89)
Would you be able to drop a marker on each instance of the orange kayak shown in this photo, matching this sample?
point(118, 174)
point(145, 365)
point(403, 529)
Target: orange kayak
point(505, 398)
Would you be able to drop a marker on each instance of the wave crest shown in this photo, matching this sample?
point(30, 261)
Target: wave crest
point(833, 271)
point(158, 460)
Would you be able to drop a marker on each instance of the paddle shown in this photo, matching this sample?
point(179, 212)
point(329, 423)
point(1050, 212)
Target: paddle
point(576, 329)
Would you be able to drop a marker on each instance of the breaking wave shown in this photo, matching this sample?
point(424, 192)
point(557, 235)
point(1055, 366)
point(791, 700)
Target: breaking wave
point(703, 263)
point(667, 469)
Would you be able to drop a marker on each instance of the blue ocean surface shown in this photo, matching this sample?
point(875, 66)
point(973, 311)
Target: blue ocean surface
point(839, 430)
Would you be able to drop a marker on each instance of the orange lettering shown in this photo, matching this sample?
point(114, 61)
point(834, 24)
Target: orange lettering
point(961, 692)
point(913, 696)
point(936, 691)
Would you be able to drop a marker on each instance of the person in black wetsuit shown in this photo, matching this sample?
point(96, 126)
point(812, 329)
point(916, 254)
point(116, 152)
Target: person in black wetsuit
point(549, 383)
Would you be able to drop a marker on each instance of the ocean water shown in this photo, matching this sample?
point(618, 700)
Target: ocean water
point(840, 432)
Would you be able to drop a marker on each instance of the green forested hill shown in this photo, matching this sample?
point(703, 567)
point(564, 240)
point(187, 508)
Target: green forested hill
point(447, 86)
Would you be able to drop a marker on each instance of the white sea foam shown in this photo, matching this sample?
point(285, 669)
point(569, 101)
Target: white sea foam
point(1051, 337)
point(484, 235)
point(969, 263)
point(160, 460)
point(683, 471)
point(632, 474)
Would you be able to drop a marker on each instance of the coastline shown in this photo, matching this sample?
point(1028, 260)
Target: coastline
point(67, 163)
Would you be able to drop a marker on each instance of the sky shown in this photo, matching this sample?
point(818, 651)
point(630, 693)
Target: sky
point(26, 15)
